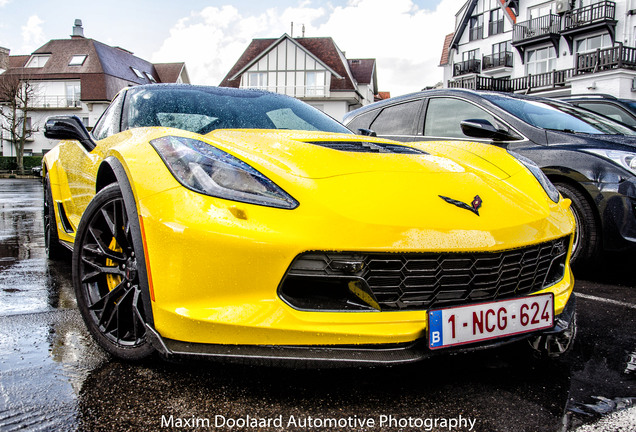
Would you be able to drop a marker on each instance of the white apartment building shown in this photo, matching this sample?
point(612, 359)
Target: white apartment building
point(555, 48)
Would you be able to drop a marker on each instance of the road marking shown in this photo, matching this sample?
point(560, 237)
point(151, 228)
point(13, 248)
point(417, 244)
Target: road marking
point(604, 300)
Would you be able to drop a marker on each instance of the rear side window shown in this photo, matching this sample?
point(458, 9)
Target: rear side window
point(444, 115)
point(611, 111)
point(397, 119)
point(363, 121)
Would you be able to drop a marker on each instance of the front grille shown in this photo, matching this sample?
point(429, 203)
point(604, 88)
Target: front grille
point(419, 281)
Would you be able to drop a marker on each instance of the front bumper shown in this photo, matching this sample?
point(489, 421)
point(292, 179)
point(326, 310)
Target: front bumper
point(370, 355)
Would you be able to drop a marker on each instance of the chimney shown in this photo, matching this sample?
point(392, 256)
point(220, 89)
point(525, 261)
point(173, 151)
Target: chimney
point(4, 59)
point(78, 30)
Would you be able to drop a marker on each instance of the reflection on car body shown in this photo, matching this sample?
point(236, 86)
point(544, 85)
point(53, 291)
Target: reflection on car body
point(233, 223)
point(590, 158)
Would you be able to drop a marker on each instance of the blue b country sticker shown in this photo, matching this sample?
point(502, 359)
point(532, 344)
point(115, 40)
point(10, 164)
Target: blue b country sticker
point(435, 335)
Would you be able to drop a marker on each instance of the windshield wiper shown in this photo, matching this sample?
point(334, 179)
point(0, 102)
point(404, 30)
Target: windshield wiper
point(572, 131)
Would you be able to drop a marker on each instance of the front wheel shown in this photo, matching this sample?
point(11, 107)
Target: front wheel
point(106, 277)
point(586, 234)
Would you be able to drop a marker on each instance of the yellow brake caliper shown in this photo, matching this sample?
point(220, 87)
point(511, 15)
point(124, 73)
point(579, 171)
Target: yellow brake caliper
point(113, 280)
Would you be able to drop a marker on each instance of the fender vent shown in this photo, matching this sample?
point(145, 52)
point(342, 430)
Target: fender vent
point(367, 147)
point(66, 224)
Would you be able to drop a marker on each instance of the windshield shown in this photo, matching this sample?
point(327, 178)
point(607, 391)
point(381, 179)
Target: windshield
point(204, 109)
point(629, 103)
point(559, 117)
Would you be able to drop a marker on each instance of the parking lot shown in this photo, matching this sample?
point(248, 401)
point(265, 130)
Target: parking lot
point(53, 377)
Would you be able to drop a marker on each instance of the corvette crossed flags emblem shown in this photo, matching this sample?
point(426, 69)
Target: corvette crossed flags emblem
point(473, 207)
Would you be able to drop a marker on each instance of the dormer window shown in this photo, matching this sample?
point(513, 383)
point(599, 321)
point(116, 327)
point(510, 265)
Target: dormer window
point(38, 61)
point(137, 72)
point(77, 60)
point(150, 78)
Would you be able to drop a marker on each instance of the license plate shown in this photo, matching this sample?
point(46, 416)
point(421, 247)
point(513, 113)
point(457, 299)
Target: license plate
point(479, 322)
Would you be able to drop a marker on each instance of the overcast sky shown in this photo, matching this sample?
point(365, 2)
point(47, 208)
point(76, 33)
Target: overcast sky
point(405, 36)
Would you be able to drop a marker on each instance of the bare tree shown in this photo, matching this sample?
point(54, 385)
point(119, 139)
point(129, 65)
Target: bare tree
point(17, 97)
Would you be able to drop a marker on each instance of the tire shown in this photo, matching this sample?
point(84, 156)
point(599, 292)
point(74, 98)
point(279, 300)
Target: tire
point(557, 345)
point(106, 278)
point(587, 233)
point(54, 250)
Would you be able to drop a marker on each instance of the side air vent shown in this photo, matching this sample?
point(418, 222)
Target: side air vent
point(367, 147)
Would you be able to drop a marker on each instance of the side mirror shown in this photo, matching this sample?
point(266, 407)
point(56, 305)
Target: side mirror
point(367, 132)
point(68, 128)
point(481, 128)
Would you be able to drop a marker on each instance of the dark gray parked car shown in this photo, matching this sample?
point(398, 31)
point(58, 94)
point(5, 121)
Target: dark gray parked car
point(622, 110)
point(589, 158)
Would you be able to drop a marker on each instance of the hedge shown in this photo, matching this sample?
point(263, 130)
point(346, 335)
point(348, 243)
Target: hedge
point(8, 163)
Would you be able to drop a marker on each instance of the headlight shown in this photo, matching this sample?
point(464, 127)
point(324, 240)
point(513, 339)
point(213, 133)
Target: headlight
point(624, 159)
point(548, 187)
point(205, 169)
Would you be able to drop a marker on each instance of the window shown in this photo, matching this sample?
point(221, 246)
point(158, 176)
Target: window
point(315, 84)
point(257, 79)
point(444, 115)
point(397, 119)
point(85, 121)
point(150, 77)
point(496, 24)
point(28, 124)
point(38, 61)
point(73, 93)
point(363, 121)
point(77, 60)
point(476, 27)
point(541, 60)
point(541, 10)
point(610, 111)
point(593, 43)
point(470, 55)
point(501, 55)
point(137, 72)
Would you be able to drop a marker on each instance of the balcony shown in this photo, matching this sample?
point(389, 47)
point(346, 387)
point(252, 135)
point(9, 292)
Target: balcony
point(492, 61)
point(597, 16)
point(546, 28)
point(56, 102)
point(296, 91)
point(618, 57)
point(495, 27)
point(467, 67)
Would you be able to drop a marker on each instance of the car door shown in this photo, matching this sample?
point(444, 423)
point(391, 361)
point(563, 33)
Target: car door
point(81, 163)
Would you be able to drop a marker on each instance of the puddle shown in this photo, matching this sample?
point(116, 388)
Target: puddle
point(602, 406)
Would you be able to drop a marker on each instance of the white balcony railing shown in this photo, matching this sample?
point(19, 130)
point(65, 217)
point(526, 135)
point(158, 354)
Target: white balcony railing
point(56, 102)
point(295, 91)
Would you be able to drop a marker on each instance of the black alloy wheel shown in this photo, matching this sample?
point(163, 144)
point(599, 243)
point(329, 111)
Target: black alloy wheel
point(54, 250)
point(586, 234)
point(106, 277)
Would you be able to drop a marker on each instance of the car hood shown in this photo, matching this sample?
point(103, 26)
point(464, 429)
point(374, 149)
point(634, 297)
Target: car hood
point(595, 140)
point(316, 155)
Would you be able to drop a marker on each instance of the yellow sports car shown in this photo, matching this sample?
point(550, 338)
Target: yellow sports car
point(236, 223)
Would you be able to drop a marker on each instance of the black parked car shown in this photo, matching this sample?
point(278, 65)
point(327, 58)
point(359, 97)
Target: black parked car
point(589, 158)
point(622, 110)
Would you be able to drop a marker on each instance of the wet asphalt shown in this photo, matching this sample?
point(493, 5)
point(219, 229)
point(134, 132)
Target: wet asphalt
point(53, 377)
